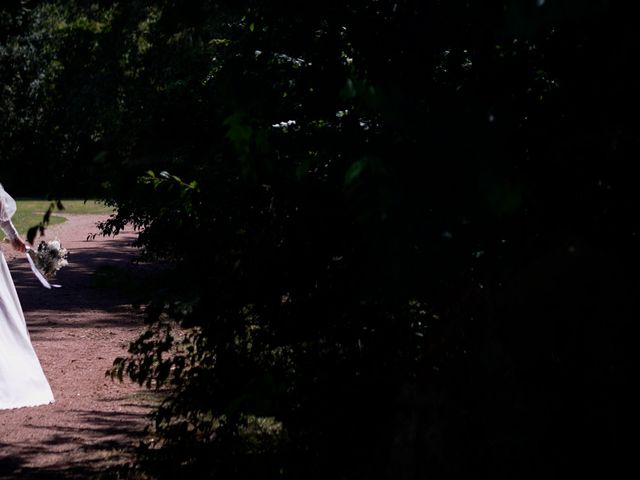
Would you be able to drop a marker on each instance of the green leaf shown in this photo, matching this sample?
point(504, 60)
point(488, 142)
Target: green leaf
point(354, 171)
point(31, 234)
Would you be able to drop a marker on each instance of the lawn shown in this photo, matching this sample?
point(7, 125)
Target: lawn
point(30, 212)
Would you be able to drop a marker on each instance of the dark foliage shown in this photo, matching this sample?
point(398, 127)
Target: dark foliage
point(399, 236)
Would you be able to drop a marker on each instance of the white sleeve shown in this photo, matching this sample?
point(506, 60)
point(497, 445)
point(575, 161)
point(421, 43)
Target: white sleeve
point(9, 229)
point(7, 209)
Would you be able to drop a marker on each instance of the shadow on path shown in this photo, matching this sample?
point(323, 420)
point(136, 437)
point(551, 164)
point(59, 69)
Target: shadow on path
point(78, 291)
point(82, 302)
point(94, 426)
point(100, 455)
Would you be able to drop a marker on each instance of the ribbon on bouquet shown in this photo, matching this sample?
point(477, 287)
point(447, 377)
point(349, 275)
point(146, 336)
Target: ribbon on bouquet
point(45, 283)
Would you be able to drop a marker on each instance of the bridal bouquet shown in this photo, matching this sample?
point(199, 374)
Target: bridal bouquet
point(49, 257)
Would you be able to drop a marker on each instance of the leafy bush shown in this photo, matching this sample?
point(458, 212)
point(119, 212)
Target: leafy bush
point(398, 237)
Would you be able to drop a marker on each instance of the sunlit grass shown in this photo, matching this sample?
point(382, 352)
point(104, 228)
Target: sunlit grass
point(30, 212)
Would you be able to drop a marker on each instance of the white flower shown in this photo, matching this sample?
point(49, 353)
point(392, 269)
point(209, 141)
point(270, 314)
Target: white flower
point(49, 257)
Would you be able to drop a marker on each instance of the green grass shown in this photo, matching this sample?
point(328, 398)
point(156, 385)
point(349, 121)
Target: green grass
point(30, 212)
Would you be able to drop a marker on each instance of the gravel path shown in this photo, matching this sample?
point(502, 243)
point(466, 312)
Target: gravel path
point(77, 331)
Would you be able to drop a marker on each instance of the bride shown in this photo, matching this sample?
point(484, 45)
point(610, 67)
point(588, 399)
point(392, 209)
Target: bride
point(22, 381)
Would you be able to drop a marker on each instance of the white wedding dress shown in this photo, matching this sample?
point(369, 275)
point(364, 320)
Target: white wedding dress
point(22, 381)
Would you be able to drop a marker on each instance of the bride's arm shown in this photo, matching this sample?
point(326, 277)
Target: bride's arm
point(13, 235)
point(7, 225)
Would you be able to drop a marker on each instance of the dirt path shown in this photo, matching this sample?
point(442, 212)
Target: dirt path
point(76, 331)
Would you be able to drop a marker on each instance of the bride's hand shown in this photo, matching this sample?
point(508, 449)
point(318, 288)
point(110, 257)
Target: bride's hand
point(19, 244)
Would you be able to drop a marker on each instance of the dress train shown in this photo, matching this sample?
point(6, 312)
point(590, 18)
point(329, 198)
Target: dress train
point(22, 381)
